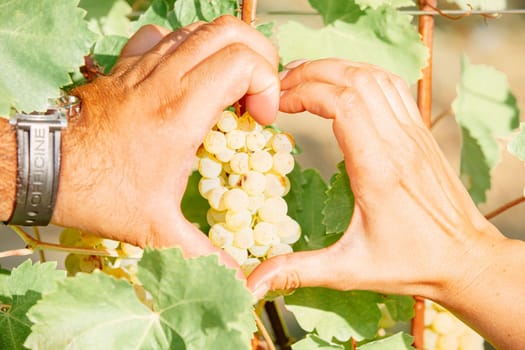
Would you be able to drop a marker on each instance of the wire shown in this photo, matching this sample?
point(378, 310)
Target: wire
point(418, 12)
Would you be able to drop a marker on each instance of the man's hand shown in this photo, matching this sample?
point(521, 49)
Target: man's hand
point(127, 157)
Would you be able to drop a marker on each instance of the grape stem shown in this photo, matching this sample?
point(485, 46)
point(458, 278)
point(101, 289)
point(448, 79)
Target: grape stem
point(33, 244)
point(38, 237)
point(264, 332)
point(282, 338)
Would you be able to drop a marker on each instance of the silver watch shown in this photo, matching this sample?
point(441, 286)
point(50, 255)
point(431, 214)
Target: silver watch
point(38, 141)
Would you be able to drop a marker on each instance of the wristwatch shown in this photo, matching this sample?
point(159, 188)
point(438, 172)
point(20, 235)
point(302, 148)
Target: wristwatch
point(38, 143)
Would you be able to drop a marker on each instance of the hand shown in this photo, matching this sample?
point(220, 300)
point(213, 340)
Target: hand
point(413, 221)
point(127, 157)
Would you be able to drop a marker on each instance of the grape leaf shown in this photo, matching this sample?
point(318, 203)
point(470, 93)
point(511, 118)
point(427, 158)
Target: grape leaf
point(294, 198)
point(481, 4)
point(210, 9)
point(107, 17)
point(485, 107)
point(310, 216)
point(332, 10)
point(313, 342)
point(19, 291)
point(198, 304)
point(339, 204)
point(184, 13)
point(213, 312)
point(58, 39)
point(398, 341)
point(474, 168)
point(193, 205)
point(159, 13)
point(383, 37)
point(400, 307)
point(336, 314)
point(517, 145)
point(107, 51)
point(266, 29)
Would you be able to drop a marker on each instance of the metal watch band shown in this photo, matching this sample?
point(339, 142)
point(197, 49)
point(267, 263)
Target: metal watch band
point(38, 139)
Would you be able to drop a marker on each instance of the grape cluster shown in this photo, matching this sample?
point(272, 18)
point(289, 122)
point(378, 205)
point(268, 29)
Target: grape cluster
point(443, 331)
point(119, 267)
point(244, 168)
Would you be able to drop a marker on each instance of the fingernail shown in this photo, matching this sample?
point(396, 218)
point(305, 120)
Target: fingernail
point(283, 74)
point(295, 64)
point(260, 291)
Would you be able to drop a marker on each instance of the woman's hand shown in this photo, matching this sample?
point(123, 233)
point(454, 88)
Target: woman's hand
point(413, 221)
point(127, 158)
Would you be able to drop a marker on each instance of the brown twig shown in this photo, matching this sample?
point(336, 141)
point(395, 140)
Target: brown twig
point(424, 103)
point(264, 332)
point(248, 9)
point(16, 252)
point(282, 338)
point(504, 207)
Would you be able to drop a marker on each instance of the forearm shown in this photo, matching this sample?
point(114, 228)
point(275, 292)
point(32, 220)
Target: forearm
point(8, 163)
point(491, 295)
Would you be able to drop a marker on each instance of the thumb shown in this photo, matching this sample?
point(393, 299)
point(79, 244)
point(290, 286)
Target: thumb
point(292, 271)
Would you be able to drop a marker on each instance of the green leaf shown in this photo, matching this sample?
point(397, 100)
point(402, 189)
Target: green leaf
point(339, 205)
point(313, 342)
point(332, 10)
point(474, 168)
point(157, 14)
point(198, 304)
point(384, 37)
point(400, 307)
point(266, 29)
point(108, 17)
point(193, 205)
point(208, 10)
point(336, 314)
point(310, 216)
point(42, 41)
point(487, 109)
point(107, 51)
point(184, 13)
point(294, 198)
point(517, 145)
point(199, 299)
point(19, 291)
point(398, 341)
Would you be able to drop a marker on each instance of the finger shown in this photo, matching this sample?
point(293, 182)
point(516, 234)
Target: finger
point(144, 40)
point(219, 81)
point(143, 62)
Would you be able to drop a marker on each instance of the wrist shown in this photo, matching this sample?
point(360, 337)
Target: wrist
point(8, 169)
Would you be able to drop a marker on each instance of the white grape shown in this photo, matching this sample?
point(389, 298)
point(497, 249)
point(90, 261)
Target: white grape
point(279, 249)
point(430, 338)
point(444, 323)
point(207, 184)
point(275, 185)
point(234, 180)
point(239, 163)
point(282, 143)
point(227, 122)
point(110, 244)
point(249, 265)
point(238, 254)
point(268, 134)
point(215, 198)
point(236, 200)
point(215, 142)
point(236, 139)
point(255, 141)
point(243, 238)
point(261, 161)
point(246, 123)
point(225, 155)
point(214, 216)
point(255, 202)
point(237, 220)
point(220, 236)
point(288, 230)
point(253, 183)
point(265, 233)
point(273, 210)
point(283, 163)
point(209, 167)
point(258, 250)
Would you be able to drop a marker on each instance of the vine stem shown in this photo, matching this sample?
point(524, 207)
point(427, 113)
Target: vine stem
point(33, 244)
point(424, 103)
point(504, 207)
point(282, 338)
point(248, 9)
point(264, 332)
point(38, 237)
